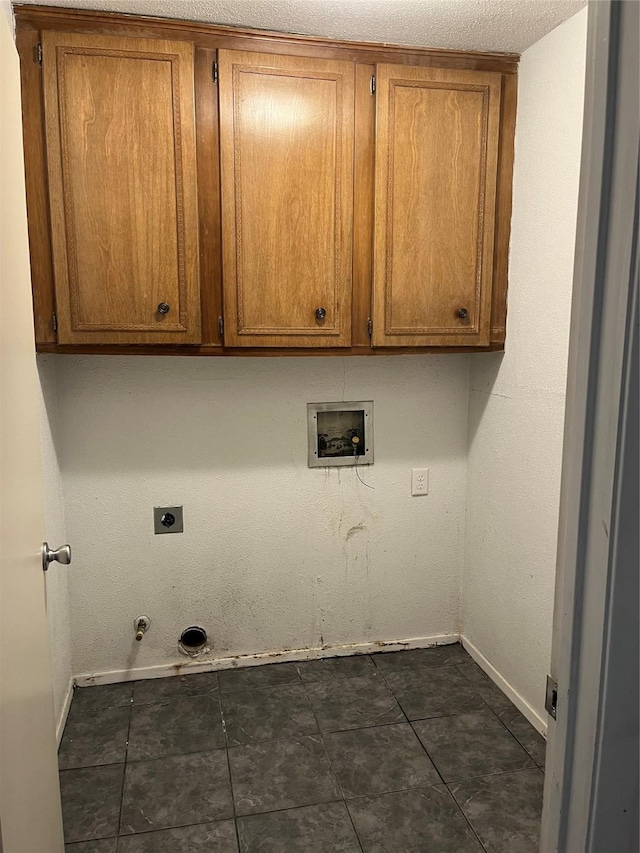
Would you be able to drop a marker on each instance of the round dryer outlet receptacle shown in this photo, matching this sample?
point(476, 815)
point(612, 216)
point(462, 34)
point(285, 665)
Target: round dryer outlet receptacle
point(193, 641)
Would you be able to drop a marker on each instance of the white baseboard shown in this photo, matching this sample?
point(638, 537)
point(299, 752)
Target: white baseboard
point(64, 713)
point(181, 667)
point(212, 664)
point(521, 704)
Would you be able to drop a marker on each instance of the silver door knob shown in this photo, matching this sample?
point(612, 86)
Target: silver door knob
point(60, 555)
point(320, 313)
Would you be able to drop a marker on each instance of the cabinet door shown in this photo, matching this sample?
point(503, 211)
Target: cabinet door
point(122, 182)
point(437, 134)
point(286, 139)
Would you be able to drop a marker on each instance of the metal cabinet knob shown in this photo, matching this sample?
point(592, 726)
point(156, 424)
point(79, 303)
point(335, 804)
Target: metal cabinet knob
point(462, 313)
point(163, 308)
point(320, 313)
point(60, 555)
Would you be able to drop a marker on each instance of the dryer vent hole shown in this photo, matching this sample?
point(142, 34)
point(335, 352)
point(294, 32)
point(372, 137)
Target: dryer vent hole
point(193, 639)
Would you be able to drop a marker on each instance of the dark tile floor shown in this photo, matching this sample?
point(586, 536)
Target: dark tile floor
point(400, 752)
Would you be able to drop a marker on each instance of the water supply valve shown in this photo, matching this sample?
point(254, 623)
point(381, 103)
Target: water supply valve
point(141, 625)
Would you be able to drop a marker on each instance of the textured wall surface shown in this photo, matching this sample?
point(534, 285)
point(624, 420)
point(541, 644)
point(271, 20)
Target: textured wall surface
point(55, 535)
point(274, 555)
point(516, 405)
point(508, 25)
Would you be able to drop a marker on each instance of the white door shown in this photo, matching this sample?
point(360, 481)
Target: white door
point(30, 817)
point(591, 778)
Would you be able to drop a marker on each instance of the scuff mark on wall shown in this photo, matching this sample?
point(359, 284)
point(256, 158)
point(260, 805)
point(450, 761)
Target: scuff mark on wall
point(357, 528)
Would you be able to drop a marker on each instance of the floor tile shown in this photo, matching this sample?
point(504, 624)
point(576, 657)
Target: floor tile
point(525, 734)
point(94, 737)
point(455, 653)
point(218, 837)
point(314, 829)
point(380, 759)
point(104, 845)
point(266, 675)
point(351, 703)
point(425, 819)
point(102, 696)
point(468, 745)
point(281, 774)
point(175, 687)
point(91, 801)
point(480, 681)
point(176, 791)
point(409, 659)
point(433, 691)
point(330, 668)
point(504, 810)
point(267, 713)
point(184, 725)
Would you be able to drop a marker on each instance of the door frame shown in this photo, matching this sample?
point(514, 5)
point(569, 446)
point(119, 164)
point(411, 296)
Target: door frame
point(591, 785)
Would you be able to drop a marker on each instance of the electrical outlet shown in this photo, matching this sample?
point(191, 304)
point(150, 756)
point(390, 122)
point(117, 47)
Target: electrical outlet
point(419, 481)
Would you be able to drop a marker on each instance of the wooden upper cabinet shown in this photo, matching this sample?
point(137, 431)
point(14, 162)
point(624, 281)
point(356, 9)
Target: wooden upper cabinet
point(286, 144)
point(437, 136)
point(122, 182)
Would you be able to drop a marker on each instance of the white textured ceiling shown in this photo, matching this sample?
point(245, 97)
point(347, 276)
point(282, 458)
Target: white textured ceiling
point(497, 25)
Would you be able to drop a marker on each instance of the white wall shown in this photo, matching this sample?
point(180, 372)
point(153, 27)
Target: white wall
point(56, 583)
point(55, 535)
point(275, 555)
point(516, 401)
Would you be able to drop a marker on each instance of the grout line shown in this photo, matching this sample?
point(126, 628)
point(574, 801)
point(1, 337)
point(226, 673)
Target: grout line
point(495, 711)
point(474, 778)
point(491, 775)
point(412, 729)
point(226, 751)
point(124, 772)
point(335, 775)
point(291, 808)
point(456, 804)
point(466, 819)
point(163, 829)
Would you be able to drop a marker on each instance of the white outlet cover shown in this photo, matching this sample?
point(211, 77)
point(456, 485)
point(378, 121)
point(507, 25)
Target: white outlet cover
point(419, 481)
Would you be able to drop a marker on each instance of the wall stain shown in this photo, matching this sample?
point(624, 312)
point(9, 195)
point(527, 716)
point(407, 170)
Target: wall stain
point(357, 528)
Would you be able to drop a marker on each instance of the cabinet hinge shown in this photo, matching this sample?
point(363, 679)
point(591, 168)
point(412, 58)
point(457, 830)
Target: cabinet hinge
point(370, 327)
point(54, 322)
point(214, 72)
point(221, 328)
point(38, 53)
point(373, 84)
point(551, 697)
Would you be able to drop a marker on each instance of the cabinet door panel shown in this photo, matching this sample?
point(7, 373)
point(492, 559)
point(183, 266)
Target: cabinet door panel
point(437, 135)
point(121, 145)
point(287, 194)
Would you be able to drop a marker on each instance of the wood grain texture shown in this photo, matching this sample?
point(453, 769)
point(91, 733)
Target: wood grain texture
point(503, 210)
point(252, 352)
point(216, 36)
point(208, 149)
point(36, 185)
point(30, 19)
point(123, 192)
point(437, 134)
point(286, 133)
point(363, 202)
